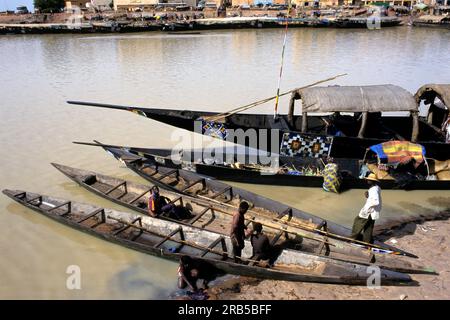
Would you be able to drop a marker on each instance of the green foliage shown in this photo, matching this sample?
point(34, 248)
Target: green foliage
point(49, 5)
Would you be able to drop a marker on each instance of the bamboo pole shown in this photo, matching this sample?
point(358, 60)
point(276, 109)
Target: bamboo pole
point(325, 233)
point(254, 104)
point(266, 224)
point(275, 113)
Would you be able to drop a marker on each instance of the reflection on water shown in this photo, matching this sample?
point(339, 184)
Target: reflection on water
point(212, 71)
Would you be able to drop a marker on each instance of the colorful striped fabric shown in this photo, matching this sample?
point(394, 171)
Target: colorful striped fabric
point(399, 152)
point(331, 179)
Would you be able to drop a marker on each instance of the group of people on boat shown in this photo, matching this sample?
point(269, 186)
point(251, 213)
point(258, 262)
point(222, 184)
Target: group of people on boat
point(262, 249)
point(191, 270)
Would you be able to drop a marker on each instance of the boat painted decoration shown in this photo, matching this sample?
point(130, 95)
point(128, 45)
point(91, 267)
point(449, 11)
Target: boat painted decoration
point(304, 145)
point(214, 129)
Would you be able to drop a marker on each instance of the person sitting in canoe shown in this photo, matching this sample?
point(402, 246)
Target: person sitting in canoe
point(260, 243)
point(238, 233)
point(365, 221)
point(158, 204)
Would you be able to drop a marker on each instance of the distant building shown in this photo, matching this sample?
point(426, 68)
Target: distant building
point(322, 3)
point(82, 4)
point(147, 4)
point(102, 4)
point(236, 3)
point(133, 4)
point(405, 3)
point(22, 10)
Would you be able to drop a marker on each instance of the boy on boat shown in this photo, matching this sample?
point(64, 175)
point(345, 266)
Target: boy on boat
point(365, 221)
point(260, 243)
point(158, 204)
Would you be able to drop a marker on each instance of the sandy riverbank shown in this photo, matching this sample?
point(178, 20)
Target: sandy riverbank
point(429, 240)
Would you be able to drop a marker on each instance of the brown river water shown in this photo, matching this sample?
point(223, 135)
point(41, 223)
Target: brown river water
point(211, 71)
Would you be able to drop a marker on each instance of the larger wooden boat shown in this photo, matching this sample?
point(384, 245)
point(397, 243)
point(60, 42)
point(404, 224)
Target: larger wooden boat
point(216, 216)
point(314, 134)
point(171, 241)
point(247, 166)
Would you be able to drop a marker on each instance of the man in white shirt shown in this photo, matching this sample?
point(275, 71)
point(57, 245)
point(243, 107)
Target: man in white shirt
point(365, 221)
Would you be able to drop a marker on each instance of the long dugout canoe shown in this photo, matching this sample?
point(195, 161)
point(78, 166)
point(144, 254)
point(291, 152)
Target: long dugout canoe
point(204, 187)
point(291, 233)
point(171, 241)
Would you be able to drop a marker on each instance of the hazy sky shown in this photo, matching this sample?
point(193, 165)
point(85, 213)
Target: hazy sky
point(12, 4)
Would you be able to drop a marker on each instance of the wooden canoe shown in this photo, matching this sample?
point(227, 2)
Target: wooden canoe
point(170, 240)
point(216, 217)
point(213, 190)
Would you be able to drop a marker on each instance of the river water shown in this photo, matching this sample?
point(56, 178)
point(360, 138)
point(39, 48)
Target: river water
point(211, 71)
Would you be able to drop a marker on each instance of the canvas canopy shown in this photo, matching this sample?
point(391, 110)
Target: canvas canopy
point(430, 91)
point(375, 98)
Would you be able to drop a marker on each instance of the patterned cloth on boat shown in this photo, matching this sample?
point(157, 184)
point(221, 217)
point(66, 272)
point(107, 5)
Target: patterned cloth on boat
point(304, 145)
point(399, 152)
point(331, 179)
point(214, 129)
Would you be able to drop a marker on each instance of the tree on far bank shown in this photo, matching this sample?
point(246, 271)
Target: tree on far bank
point(49, 5)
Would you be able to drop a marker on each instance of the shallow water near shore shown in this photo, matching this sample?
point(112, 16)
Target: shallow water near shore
point(212, 71)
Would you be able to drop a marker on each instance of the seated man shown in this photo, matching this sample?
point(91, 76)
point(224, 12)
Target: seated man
point(262, 250)
point(158, 204)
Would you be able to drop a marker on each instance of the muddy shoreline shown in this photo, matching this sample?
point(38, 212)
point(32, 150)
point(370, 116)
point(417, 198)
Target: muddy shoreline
point(426, 236)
